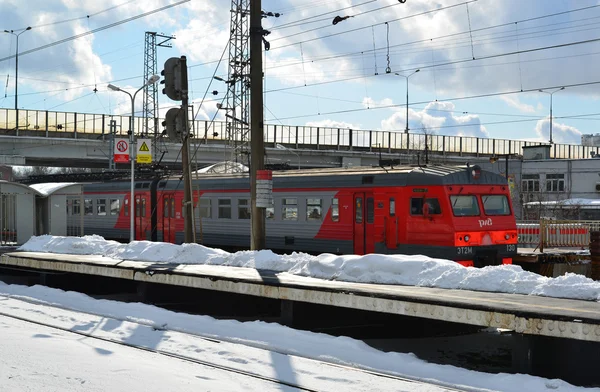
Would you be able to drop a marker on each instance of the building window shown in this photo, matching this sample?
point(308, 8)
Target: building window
point(88, 207)
point(243, 209)
point(289, 209)
point(224, 208)
point(335, 209)
point(530, 182)
point(115, 206)
point(313, 209)
point(270, 213)
point(204, 208)
point(101, 207)
point(555, 182)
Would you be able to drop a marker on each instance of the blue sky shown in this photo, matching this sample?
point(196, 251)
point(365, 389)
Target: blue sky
point(317, 73)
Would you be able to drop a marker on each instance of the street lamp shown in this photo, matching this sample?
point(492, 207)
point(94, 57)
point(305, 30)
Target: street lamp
point(153, 79)
point(282, 147)
point(17, 71)
point(557, 90)
point(406, 130)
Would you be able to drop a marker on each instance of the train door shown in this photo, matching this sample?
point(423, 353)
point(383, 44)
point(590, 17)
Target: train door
point(168, 225)
point(140, 217)
point(364, 218)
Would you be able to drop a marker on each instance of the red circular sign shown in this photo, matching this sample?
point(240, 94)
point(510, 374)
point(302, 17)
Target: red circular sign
point(122, 146)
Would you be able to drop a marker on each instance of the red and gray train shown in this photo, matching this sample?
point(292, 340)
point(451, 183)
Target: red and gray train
point(457, 213)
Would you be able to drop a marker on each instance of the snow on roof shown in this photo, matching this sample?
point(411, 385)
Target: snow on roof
point(49, 188)
point(566, 202)
point(224, 167)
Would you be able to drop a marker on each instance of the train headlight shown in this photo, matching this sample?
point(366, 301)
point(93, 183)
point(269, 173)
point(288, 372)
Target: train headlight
point(467, 238)
point(506, 236)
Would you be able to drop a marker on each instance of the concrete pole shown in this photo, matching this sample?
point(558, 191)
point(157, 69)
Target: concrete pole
point(257, 147)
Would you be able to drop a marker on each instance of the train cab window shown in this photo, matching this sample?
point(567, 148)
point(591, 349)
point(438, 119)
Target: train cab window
point(204, 208)
point(224, 208)
point(101, 207)
point(115, 206)
point(76, 207)
point(358, 208)
point(314, 208)
point(243, 209)
point(392, 206)
point(464, 205)
point(335, 209)
point(495, 205)
point(416, 206)
point(126, 207)
point(270, 212)
point(88, 207)
point(289, 210)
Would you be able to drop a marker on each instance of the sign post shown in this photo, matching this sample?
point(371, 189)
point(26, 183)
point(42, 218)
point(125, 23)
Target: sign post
point(121, 151)
point(144, 151)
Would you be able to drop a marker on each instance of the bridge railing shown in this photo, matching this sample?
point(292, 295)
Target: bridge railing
point(547, 233)
point(74, 125)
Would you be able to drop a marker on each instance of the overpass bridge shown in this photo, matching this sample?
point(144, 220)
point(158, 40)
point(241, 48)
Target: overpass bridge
point(69, 139)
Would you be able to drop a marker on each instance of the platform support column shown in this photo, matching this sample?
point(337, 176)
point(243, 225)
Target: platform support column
point(521, 354)
point(287, 313)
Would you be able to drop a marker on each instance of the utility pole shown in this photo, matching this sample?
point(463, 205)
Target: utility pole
point(257, 145)
point(188, 226)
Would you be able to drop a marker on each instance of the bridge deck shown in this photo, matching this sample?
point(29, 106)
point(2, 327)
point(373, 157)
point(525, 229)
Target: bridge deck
point(554, 317)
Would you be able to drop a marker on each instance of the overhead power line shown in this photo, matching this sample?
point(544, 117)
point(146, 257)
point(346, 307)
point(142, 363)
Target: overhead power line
point(96, 30)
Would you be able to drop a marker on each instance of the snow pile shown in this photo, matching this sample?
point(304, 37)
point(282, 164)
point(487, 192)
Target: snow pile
point(373, 268)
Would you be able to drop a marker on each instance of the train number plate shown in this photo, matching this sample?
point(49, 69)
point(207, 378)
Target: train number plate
point(511, 248)
point(464, 250)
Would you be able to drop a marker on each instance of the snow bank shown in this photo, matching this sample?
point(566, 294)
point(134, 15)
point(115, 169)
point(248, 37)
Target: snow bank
point(373, 268)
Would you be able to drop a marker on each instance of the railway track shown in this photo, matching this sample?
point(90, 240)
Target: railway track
point(241, 372)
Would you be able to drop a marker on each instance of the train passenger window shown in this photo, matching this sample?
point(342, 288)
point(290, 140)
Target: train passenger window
point(182, 208)
point(289, 210)
point(392, 206)
point(464, 205)
point(243, 209)
point(416, 206)
point(126, 209)
point(115, 206)
point(335, 209)
point(88, 207)
point(69, 207)
point(270, 212)
point(314, 209)
point(224, 208)
point(76, 207)
point(143, 207)
point(166, 208)
point(495, 205)
point(173, 207)
point(358, 217)
point(370, 210)
point(101, 207)
point(204, 208)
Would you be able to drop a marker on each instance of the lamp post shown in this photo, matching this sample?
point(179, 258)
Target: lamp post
point(17, 72)
point(557, 90)
point(282, 147)
point(404, 76)
point(153, 79)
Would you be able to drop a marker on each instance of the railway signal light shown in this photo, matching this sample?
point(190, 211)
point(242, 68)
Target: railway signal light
point(174, 124)
point(174, 79)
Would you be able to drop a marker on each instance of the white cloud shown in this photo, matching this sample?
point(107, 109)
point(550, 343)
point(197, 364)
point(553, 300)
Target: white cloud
point(513, 101)
point(561, 133)
point(436, 118)
point(333, 124)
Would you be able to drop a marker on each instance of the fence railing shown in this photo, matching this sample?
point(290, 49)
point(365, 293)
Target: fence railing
point(556, 233)
point(47, 123)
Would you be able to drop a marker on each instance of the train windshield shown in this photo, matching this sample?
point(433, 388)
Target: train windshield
point(495, 205)
point(464, 205)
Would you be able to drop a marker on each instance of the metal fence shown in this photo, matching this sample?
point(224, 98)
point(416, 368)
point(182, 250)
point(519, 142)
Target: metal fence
point(556, 233)
point(49, 124)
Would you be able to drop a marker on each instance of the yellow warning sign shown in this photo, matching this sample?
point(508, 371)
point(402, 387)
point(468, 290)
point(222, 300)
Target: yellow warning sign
point(144, 153)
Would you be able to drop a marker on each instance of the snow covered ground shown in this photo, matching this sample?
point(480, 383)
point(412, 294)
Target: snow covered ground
point(374, 268)
point(40, 360)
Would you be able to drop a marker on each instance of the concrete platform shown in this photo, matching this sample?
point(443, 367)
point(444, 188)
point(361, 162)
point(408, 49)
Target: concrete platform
point(543, 316)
